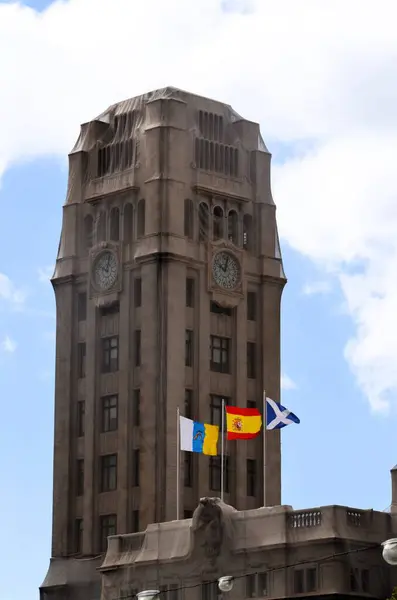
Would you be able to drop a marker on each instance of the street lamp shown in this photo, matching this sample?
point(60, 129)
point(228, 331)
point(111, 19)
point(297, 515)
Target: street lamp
point(389, 551)
point(225, 584)
point(148, 594)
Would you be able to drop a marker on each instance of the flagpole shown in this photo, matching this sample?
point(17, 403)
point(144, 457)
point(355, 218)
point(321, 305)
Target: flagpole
point(222, 445)
point(264, 445)
point(178, 461)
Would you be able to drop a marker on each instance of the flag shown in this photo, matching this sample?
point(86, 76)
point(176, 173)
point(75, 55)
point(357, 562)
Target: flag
point(198, 437)
point(277, 416)
point(242, 423)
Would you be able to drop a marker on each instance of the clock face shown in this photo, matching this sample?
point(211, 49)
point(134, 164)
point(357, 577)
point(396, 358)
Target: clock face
point(105, 271)
point(226, 270)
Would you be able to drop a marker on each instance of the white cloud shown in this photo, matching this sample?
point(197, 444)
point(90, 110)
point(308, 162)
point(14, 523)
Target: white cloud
point(320, 78)
point(45, 274)
point(287, 383)
point(8, 345)
point(8, 290)
point(317, 287)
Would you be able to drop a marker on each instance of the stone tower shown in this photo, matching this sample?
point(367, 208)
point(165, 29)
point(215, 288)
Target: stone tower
point(168, 285)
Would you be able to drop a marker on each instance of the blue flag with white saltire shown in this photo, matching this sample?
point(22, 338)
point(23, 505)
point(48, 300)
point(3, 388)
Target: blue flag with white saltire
point(277, 416)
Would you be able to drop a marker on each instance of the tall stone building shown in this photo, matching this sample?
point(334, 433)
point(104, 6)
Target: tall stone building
point(168, 284)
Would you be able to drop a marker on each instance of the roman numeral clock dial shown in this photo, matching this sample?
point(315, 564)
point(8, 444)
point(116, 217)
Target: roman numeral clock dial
point(105, 271)
point(226, 270)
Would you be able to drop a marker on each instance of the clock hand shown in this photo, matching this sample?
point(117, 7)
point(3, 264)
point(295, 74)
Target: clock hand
point(226, 263)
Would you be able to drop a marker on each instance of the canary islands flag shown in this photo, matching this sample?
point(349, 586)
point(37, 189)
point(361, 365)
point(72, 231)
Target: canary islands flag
point(198, 437)
point(242, 423)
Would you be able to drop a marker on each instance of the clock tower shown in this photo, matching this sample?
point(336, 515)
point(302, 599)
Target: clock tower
point(168, 286)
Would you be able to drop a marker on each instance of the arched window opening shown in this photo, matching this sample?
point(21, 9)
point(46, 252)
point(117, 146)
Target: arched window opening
point(127, 223)
point(141, 218)
point(188, 219)
point(88, 232)
point(217, 224)
point(115, 224)
point(247, 232)
point(100, 224)
point(232, 225)
point(207, 155)
point(227, 160)
point(203, 222)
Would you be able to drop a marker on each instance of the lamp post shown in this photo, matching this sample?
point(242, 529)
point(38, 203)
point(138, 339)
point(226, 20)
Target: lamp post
point(389, 551)
point(225, 584)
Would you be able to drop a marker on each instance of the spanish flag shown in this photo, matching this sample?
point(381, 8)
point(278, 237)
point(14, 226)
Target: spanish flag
point(242, 423)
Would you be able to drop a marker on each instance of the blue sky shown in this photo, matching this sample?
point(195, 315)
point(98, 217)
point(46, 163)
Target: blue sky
point(333, 240)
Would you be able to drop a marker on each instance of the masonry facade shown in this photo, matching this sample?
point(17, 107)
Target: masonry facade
point(168, 284)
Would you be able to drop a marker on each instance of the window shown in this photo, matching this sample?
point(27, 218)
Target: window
point(216, 408)
point(232, 226)
point(81, 360)
point(190, 292)
point(109, 413)
point(251, 306)
point(108, 526)
point(108, 473)
point(110, 309)
point(311, 579)
point(353, 580)
point(110, 354)
point(359, 580)
point(137, 408)
point(188, 219)
point(299, 581)
point(115, 224)
point(220, 310)
point(247, 232)
point(217, 223)
point(210, 590)
point(251, 360)
point(88, 232)
point(215, 474)
point(137, 347)
point(262, 585)
point(188, 469)
point(203, 222)
point(251, 404)
point(80, 418)
point(169, 592)
point(135, 521)
point(140, 227)
point(78, 536)
point(250, 586)
point(189, 348)
point(220, 354)
point(127, 223)
point(136, 468)
point(188, 404)
point(187, 513)
point(138, 292)
point(365, 580)
point(251, 477)
point(82, 306)
point(80, 477)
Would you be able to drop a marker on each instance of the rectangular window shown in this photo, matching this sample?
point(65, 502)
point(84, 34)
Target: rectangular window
point(251, 306)
point(220, 310)
point(220, 354)
point(365, 580)
point(136, 408)
point(78, 536)
point(108, 473)
point(210, 590)
point(137, 347)
point(135, 521)
point(189, 292)
point(107, 527)
point(80, 418)
point(188, 469)
point(299, 581)
point(187, 513)
point(138, 292)
point(110, 309)
point(136, 467)
point(353, 580)
point(251, 477)
point(251, 360)
point(110, 354)
point(215, 474)
point(250, 586)
point(262, 585)
point(251, 404)
point(311, 579)
point(109, 413)
point(189, 348)
point(80, 477)
point(216, 408)
point(188, 404)
point(82, 306)
point(81, 360)
point(173, 592)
